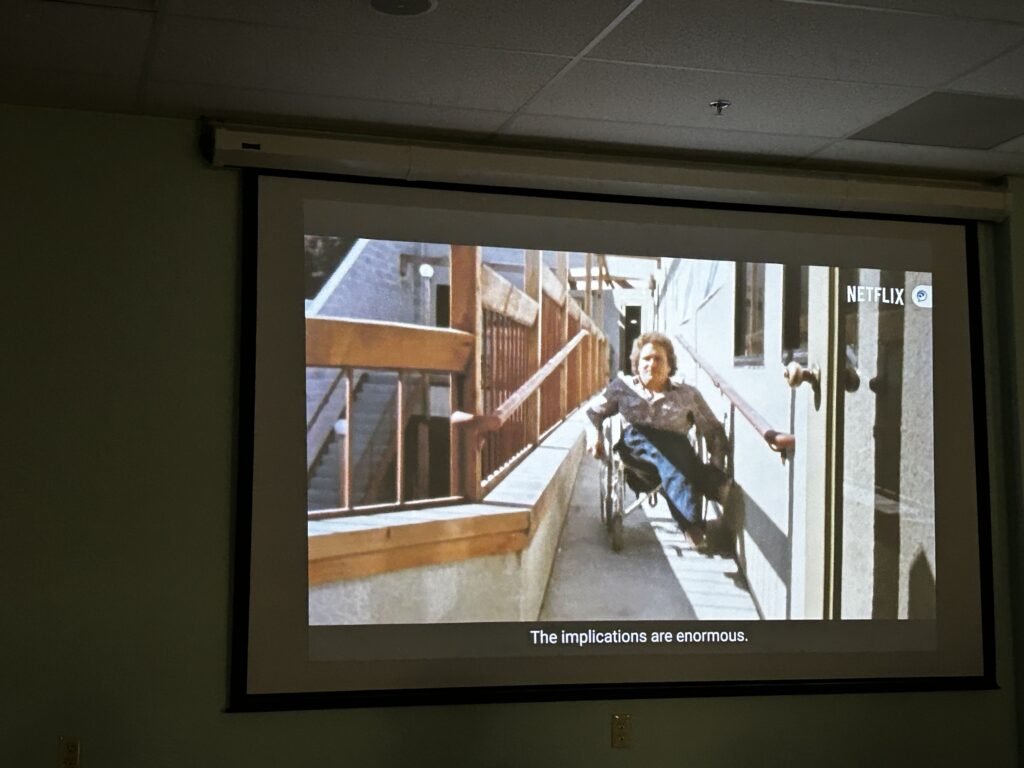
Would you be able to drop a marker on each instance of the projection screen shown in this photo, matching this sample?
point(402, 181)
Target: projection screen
point(449, 361)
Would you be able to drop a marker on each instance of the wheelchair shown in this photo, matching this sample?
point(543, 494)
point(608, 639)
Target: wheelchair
point(620, 471)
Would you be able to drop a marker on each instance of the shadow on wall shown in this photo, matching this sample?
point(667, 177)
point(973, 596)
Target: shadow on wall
point(728, 536)
point(743, 515)
point(921, 600)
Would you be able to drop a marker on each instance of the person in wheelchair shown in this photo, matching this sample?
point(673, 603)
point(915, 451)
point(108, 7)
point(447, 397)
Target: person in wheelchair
point(655, 447)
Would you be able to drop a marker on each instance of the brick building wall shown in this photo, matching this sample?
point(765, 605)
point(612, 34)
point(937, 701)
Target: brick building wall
point(374, 288)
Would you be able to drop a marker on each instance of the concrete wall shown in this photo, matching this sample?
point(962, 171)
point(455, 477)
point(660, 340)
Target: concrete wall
point(505, 587)
point(120, 331)
point(479, 589)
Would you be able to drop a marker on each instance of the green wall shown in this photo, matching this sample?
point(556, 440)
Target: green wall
point(120, 255)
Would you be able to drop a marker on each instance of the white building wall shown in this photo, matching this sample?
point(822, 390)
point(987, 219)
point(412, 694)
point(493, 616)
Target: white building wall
point(698, 305)
point(771, 508)
point(917, 482)
point(858, 457)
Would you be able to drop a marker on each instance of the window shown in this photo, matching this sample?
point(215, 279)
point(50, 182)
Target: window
point(749, 349)
point(794, 314)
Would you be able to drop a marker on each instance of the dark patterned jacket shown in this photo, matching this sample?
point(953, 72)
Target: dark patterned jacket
point(678, 409)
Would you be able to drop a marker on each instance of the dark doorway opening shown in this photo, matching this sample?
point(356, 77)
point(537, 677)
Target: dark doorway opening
point(631, 331)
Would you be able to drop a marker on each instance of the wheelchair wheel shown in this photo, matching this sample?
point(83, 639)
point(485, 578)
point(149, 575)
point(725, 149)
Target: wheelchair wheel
point(607, 505)
point(612, 491)
point(616, 532)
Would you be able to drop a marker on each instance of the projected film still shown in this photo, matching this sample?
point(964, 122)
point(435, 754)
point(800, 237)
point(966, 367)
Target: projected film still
point(553, 444)
point(584, 443)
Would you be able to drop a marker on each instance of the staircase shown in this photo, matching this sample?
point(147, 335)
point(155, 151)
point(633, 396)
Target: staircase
point(372, 434)
point(373, 439)
point(318, 382)
point(325, 404)
point(322, 484)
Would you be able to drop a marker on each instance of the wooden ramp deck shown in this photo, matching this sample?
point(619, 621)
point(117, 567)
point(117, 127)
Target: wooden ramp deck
point(659, 574)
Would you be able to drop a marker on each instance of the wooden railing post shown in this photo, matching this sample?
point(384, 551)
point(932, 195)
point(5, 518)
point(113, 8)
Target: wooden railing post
point(606, 364)
point(532, 288)
point(585, 352)
point(562, 273)
point(578, 395)
point(587, 286)
point(466, 315)
point(595, 343)
point(423, 439)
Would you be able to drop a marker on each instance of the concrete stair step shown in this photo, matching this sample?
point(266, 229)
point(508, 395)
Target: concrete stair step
point(374, 402)
point(320, 483)
point(373, 399)
point(378, 377)
point(322, 503)
point(321, 494)
point(314, 396)
point(320, 372)
point(319, 383)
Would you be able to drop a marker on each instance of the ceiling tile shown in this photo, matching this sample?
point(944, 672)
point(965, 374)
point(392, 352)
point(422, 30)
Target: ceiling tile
point(525, 25)
point(240, 103)
point(659, 96)
point(993, 10)
point(133, 5)
point(1001, 77)
point(311, 62)
point(71, 90)
point(970, 163)
point(1014, 145)
point(634, 136)
point(805, 40)
point(338, 64)
point(74, 38)
point(962, 120)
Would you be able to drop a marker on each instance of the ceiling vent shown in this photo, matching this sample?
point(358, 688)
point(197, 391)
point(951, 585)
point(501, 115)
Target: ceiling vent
point(121, 5)
point(403, 7)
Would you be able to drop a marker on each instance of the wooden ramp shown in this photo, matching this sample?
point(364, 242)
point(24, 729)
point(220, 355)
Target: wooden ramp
point(658, 575)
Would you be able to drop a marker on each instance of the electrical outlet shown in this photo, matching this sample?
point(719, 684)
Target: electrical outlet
point(70, 752)
point(622, 730)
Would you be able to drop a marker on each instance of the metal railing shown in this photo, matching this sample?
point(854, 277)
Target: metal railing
point(780, 442)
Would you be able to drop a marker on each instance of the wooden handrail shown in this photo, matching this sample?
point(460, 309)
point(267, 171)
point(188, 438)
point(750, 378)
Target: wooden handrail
point(552, 286)
point(575, 310)
point(334, 341)
point(781, 442)
point(489, 422)
point(499, 295)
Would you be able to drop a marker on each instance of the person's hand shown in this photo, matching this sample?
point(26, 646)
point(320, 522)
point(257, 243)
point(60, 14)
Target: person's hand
point(595, 448)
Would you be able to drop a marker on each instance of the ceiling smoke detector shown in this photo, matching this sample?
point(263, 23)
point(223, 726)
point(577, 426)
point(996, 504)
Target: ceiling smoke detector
point(720, 105)
point(403, 7)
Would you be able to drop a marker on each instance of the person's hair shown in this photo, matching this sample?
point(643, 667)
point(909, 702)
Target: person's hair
point(659, 340)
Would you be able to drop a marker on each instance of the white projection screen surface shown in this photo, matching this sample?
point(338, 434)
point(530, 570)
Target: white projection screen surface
point(796, 503)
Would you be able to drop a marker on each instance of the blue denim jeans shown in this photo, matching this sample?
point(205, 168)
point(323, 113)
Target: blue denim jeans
point(678, 467)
